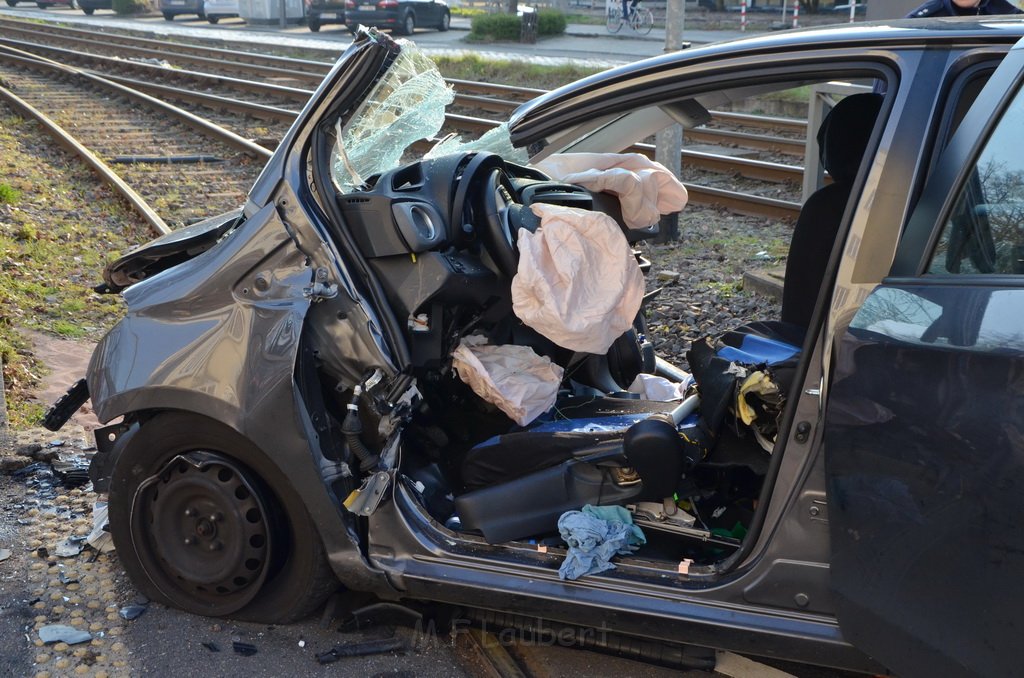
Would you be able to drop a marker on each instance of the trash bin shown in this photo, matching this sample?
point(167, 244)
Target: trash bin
point(269, 12)
point(528, 28)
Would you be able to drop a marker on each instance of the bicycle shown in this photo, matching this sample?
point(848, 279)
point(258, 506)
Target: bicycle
point(641, 20)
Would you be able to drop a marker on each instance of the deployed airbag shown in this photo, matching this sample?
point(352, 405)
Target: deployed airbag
point(646, 189)
point(577, 282)
point(516, 380)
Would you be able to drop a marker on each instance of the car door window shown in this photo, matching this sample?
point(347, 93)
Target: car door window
point(984, 233)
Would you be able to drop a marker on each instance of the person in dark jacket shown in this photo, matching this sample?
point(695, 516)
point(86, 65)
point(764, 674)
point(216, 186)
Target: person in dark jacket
point(963, 8)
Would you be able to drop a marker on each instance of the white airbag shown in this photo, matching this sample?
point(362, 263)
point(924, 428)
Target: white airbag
point(516, 380)
point(646, 189)
point(578, 282)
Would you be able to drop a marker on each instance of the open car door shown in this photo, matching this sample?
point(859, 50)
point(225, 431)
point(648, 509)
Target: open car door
point(925, 420)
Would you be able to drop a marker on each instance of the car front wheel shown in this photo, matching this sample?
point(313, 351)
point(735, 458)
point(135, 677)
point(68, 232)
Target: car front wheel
point(408, 24)
point(314, 26)
point(168, 16)
point(446, 22)
point(203, 521)
point(212, 19)
point(88, 10)
point(12, 3)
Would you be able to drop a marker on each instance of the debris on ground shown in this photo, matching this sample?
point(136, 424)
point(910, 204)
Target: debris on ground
point(377, 646)
point(130, 612)
point(100, 537)
point(59, 633)
point(244, 649)
point(4, 554)
point(70, 547)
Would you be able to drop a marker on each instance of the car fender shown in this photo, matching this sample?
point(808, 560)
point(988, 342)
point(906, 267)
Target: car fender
point(219, 335)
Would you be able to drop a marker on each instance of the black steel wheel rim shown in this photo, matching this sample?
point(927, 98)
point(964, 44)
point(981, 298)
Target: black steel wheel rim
point(202, 532)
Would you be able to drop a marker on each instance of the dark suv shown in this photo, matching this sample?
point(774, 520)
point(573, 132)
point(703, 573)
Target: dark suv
point(839, 485)
point(322, 12)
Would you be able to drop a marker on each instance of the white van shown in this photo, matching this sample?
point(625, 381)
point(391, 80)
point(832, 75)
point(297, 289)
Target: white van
point(220, 9)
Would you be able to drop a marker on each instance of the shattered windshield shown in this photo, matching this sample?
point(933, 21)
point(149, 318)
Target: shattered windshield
point(406, 106)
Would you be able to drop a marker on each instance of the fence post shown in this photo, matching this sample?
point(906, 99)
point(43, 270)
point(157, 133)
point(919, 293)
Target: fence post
point(743, 15)
point(796, 13)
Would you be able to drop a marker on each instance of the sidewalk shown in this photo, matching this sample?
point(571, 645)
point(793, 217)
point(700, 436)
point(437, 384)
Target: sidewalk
point(696, 37)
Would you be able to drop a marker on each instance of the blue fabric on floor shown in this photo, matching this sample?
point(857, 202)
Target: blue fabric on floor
point(756, 350)
point(593, 541)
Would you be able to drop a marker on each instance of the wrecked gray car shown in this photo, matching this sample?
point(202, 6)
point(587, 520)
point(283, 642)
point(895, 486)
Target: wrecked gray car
point(301, 406)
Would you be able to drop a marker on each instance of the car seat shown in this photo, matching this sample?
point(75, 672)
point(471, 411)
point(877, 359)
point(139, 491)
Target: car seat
point(842, 140)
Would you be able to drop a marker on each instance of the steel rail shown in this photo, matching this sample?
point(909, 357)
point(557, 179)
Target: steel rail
point(321, 67)
point(762, 142)
point(739, 202)
point(134, 200)
point(250, 108)
point(744, 203)
point(168, 53)
point(762, 121)
point(200, 124)
point(205, 79)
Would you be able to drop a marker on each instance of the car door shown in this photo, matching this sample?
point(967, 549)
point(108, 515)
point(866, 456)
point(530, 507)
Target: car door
point(924, 434)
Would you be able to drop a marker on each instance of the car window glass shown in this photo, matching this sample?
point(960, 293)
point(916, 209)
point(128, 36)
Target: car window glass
point(983, 234)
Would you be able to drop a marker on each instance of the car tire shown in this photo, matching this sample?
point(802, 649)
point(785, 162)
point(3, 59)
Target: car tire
point(202, 520)
point(44, 5)
point(314, 26)
point(88, 10)
point(168, 16)
point(446, 22)
point(352, 28)
point(408, 24)
point(212, 19)
point(12, 3)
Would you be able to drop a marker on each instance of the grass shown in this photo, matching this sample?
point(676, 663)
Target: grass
point(8, 194)
point(58, 228)
point(509, 72)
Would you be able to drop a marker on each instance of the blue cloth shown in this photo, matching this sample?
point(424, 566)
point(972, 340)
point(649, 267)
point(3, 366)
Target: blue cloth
point(594, 540)
point(755, 350)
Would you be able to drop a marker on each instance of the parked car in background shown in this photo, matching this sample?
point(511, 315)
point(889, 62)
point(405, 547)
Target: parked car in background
point(401, 16)
point(220, 9)
point(292, 401)
point(322, 12)
point(172, 8)
point(46, 4)
point(90, 6)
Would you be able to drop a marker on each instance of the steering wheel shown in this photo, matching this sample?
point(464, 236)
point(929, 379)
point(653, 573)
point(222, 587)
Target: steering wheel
point(498, 230)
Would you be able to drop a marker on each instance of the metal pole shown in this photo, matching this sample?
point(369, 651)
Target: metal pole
point(283, 22)
point(796, 13)
point(853, 10)
point(669, 141)
point(743, 15)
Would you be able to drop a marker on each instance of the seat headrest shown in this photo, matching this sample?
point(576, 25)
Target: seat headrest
point(844, 134)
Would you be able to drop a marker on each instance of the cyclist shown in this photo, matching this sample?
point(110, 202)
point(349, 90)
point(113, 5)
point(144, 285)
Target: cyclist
point(628, 7)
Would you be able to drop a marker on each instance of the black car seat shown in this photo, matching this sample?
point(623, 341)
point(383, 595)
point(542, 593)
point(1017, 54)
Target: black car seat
point(842, 139)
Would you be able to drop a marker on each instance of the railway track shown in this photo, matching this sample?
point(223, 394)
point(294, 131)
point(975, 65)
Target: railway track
point(144, 137)
point(282, 88)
